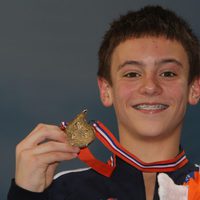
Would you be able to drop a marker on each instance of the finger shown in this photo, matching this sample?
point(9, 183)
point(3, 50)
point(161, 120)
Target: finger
point(42, 133)
point(52, 157)
point(54, 147)
point(50, 173)
point(41, 161)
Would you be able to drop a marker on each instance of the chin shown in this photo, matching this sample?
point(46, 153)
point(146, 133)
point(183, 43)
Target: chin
point(151, 134)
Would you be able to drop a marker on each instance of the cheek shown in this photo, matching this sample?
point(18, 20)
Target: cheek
point(124, 91)
point(178, 93)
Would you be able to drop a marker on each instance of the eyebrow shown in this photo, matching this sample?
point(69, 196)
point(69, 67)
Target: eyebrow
point(130, 62)
point(141, 64)
point(170, 60)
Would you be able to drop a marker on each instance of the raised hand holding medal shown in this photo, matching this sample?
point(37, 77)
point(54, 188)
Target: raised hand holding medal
point(79, 133)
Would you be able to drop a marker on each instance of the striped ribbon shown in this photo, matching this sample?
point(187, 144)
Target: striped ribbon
point(112, 144)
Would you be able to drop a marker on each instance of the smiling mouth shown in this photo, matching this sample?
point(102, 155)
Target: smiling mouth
point(151, 107)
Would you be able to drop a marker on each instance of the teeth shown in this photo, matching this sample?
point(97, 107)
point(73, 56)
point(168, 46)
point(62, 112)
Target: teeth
point(151, 107)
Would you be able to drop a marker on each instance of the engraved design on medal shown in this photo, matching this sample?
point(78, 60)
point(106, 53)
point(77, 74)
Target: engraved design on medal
point(79, 132)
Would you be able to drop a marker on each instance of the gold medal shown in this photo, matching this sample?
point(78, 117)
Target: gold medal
point(79, 133)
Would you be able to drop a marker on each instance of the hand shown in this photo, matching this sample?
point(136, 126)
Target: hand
point(38, 155)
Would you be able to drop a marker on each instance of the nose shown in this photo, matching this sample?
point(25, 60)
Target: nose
point(150, 86)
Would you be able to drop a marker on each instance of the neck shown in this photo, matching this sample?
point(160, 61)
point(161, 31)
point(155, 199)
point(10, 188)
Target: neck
point(152, 149)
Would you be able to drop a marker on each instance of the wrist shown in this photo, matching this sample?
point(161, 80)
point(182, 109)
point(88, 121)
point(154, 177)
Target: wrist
point(29, 186)
point(17, 192)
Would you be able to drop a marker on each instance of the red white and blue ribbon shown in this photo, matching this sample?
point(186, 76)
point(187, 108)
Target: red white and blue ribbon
point(112, 144)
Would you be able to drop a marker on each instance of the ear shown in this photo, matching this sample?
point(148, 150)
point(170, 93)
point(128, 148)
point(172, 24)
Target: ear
point(194, 92)
point(105, 91)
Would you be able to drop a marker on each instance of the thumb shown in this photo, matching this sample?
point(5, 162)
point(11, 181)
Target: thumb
point(50, 173)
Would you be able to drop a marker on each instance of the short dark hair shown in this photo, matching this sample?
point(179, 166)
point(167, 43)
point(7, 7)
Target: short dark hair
point(149, 21)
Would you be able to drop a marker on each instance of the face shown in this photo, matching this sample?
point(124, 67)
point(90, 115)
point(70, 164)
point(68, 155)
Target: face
point(149, 88)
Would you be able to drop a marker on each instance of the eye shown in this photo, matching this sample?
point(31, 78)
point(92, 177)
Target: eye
point(132, 75)
point(168, 74)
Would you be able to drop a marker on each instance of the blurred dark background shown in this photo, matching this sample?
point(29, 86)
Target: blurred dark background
point(48, 64)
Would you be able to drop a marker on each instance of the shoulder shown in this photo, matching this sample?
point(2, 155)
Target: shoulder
point(77, 176)
point(192, 170)
point(197, 166)
point(74, 182)
point(71, 172)
point(65, 183)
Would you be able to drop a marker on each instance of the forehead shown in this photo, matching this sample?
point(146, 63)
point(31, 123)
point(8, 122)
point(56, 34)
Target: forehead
point(149, 47)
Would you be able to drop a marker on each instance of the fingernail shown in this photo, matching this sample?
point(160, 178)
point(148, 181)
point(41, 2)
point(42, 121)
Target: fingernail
point(74, 155)
point(76, 149)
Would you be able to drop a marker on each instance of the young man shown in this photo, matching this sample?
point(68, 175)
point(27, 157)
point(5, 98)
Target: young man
point(149, 70)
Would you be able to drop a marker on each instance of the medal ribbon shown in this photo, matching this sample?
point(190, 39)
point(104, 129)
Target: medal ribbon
point(112, 144)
